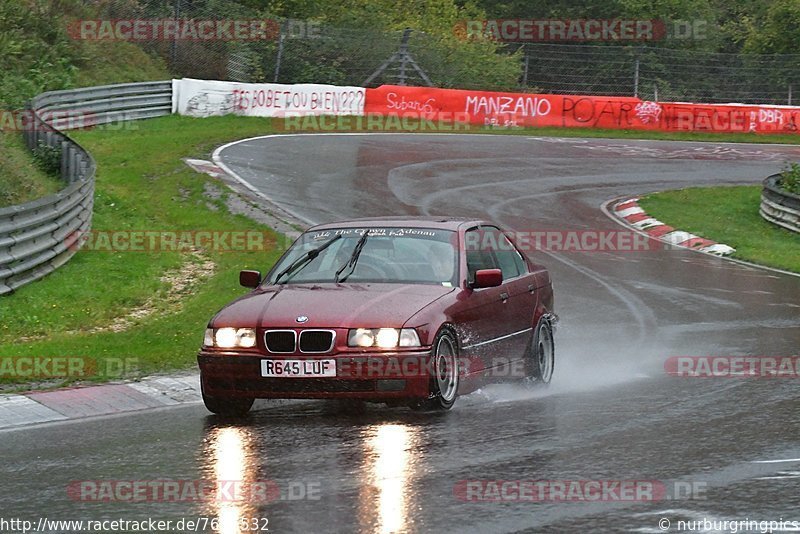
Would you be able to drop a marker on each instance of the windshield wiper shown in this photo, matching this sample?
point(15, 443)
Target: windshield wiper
point(353, 259)
point(305, 259)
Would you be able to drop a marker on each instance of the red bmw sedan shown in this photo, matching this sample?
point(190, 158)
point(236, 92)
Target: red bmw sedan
point(413, 311)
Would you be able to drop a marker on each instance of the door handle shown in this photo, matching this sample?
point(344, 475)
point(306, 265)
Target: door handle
point(504, 296)
point(531, 288)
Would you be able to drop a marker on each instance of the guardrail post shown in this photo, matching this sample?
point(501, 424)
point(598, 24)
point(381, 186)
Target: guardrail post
point(27, 135)
point(64, 160)
point(73, 163)
point(83, 165)
point(36, 126)
point(67, 156)
point(29, 125)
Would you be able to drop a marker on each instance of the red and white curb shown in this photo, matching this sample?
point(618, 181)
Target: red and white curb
point(107, 399)
point(633, 215)
point(204, 167)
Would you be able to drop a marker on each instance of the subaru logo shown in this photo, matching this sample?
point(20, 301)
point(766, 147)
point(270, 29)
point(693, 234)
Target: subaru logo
point(302, 319)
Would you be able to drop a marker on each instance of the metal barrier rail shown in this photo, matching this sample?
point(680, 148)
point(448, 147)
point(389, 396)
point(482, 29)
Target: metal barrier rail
point(40, 236)
point(778, 206)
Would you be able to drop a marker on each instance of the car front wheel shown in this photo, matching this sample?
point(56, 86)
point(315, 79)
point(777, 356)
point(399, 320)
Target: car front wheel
point(541, 357)
point(445, 379)
point(233, 407)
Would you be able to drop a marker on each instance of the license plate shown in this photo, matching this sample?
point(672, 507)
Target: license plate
point(298, 368)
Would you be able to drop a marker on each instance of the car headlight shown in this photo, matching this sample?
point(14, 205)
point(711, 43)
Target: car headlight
point(246, 337)
point(230, 338)
point(384, 338)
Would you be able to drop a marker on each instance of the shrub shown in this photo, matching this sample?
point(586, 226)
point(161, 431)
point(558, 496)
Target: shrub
point(48, 159)
point(790, 178)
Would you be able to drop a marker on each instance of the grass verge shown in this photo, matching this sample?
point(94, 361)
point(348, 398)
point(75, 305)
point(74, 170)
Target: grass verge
point(142, 185)
point(20, 179)
point(728, 215)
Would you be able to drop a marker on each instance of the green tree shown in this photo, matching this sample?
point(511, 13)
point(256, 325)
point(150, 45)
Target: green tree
point(36, 50)
point(778, 32)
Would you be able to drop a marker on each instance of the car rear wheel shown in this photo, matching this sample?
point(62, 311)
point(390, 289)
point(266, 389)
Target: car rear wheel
point(541, 357)
point(445, 379)
point(233, 407)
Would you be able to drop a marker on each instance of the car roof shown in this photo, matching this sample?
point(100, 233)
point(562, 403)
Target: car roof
point(437, 222)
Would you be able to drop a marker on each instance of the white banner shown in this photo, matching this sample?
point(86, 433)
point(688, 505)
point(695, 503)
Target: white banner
point(205, 98)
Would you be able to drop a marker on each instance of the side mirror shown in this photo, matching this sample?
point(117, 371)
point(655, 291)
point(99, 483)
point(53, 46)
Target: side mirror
point(250, 278)
point(487, 278)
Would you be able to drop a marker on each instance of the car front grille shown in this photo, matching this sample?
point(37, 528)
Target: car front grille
point(310, 342)
point(280, 341)
point(316, 340)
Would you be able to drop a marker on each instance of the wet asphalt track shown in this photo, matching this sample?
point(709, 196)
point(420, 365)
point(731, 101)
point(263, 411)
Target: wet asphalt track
point(611, 414)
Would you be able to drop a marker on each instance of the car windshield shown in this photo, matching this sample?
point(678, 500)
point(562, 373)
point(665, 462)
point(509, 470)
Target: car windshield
point(387, 255)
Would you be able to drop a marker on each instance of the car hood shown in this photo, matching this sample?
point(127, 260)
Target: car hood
point(330, 305)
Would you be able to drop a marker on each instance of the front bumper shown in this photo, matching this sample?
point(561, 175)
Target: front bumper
point(369, 376)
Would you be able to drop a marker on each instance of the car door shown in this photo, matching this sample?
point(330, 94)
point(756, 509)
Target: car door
point(520, 287)
point(483, 315)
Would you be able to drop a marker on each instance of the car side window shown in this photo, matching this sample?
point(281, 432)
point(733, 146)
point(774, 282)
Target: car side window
point(479, 252)
point(522, 266)
point(507, 256)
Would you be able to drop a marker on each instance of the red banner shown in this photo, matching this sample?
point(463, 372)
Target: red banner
point(539, 110)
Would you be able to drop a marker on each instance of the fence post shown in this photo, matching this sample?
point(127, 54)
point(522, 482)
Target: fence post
point(655, 92)
point(279, 56)
point(789, 103)
point(636, 79)
point(404, 55)
point(527, 60)
point(173, 47)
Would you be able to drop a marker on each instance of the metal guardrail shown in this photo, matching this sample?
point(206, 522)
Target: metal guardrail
point(40, 236)
point(778, 206)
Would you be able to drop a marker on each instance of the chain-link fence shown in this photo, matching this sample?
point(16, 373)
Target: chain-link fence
point(368, 56)
point(661, 73)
